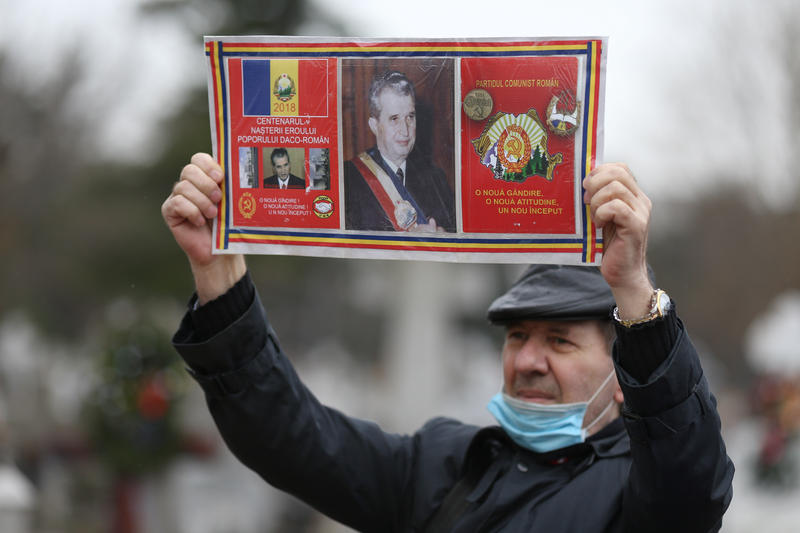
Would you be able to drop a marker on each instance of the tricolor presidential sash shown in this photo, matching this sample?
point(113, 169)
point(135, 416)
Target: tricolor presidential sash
point(399, 211)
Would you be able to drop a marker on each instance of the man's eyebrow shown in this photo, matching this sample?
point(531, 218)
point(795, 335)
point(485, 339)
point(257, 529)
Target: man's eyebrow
point(566, 325)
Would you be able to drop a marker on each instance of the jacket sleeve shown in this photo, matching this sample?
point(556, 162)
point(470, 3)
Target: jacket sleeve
point(681, 476)
point(348, 469)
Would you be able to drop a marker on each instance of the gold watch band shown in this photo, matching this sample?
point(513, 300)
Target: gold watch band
point(659, 305)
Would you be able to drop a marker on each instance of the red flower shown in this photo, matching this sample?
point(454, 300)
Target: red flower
point(153, 398)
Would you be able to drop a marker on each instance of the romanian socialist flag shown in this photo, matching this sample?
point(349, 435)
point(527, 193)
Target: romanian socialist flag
point(285, 87)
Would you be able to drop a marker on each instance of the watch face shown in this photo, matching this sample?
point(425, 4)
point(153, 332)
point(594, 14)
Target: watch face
point(664, 303)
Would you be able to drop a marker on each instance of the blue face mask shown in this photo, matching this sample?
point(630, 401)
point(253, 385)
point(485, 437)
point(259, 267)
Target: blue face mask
point(545, 427)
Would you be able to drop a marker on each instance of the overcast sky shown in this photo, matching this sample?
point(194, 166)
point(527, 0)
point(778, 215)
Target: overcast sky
point(673, 111)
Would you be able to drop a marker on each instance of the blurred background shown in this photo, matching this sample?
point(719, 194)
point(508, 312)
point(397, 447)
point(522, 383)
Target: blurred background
point(103, 101)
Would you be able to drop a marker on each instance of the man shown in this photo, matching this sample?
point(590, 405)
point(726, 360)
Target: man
point(561, 459)
point(282, 177)
point(390, 187)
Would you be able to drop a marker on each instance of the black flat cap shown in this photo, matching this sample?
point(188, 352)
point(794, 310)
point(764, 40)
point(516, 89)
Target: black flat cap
point(555, 292)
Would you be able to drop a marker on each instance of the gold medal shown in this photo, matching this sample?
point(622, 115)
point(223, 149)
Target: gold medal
point(478, 104)
point(405, 214)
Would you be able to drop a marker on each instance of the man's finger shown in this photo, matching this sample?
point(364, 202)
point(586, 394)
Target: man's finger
point(207, 164)
point(178, 209)
point(616, 211)
point(188, 190)
point(605, 174)
point(614, 191)
point(198, 177)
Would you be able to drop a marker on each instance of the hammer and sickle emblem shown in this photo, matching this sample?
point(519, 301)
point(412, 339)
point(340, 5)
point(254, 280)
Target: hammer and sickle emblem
point(514, 148)
point(247, 205)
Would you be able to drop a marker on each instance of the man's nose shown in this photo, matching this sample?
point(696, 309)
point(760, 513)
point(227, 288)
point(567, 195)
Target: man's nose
point(405, 127)
point(532, 358)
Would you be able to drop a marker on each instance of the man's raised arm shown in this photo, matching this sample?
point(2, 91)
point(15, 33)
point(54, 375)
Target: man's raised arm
point(620, 207)
point(188, 212)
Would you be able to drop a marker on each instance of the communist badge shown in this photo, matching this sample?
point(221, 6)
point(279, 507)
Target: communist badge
point(514, 147)
point(247, 205)
point(564, 114)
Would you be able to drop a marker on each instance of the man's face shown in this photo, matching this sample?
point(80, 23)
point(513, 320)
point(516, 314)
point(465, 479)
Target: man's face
point(280, 164)
point(396, 128)
point(559, 362)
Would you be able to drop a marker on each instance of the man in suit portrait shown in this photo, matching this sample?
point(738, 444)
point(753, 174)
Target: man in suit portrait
point(390, 187)
point(282, 177)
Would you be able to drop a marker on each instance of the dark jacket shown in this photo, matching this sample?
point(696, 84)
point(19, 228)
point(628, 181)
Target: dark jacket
point(671, 475)
point(425, 183)
point(272, 182)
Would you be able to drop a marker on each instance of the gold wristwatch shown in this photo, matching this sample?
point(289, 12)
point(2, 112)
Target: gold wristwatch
point(660, 304)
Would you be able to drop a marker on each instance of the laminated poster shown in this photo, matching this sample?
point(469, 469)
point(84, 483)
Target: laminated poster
point(448, 150)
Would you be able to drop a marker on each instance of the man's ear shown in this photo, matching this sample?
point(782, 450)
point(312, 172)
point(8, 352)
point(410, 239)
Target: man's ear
point(373, 125)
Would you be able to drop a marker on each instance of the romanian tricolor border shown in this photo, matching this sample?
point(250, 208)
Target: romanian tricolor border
point(584, 246)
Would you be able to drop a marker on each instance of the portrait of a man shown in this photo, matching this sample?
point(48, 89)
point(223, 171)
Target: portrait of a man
point(394, 184)
point(282, 177)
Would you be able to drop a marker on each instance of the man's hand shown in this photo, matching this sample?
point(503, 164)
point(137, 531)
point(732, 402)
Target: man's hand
point(620, 207)
point(430, 227)
point(188, 212)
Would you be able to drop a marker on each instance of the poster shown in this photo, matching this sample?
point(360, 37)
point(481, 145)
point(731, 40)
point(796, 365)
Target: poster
point(469, 150)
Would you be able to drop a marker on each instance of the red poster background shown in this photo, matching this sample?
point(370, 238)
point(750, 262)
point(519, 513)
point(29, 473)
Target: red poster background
point(489, 204)
point(262, 207)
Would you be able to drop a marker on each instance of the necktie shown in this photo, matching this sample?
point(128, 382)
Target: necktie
point(283, 185)
point(401, 175)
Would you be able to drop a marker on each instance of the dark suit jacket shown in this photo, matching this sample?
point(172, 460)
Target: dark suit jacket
point(425, 183)
point(294, 182)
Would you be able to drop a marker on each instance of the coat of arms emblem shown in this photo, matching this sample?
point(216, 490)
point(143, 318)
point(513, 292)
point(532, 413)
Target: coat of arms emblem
point(284, 88)
point(514, 147)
